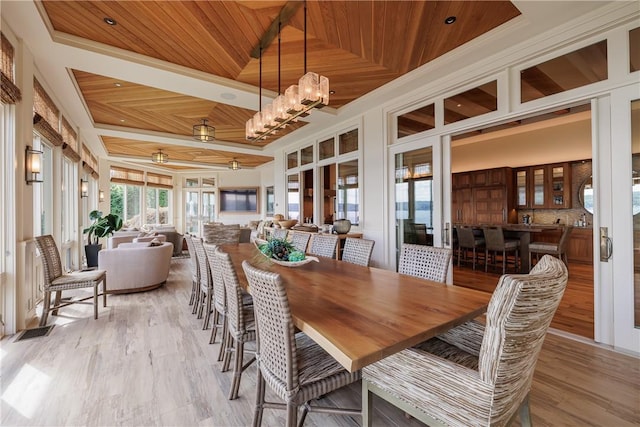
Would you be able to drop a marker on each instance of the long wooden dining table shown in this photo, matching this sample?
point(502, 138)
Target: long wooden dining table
point(361, 315)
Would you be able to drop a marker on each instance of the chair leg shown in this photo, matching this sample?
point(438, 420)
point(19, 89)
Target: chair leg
point(229, 347)
point(504, 262)
point(104, 292)
point(214, 327)
point(459, 248)
point(197, 300)
point(260, 388)
point(473, 259)
point(201, 302)
point(367, 405)
point(193, 292)
point(207, 315)
point(486, 257)
point(95, 301)
point(223, 340)
point(303, 414)
point(56, 303)
point(525, 415)
point(292, 414)
point(237, 370)
point(46, 305)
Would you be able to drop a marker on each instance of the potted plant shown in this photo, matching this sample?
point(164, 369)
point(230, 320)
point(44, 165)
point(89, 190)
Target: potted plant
point(102, 226)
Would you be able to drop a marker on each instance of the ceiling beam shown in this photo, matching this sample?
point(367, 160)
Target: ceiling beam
point(285, 15)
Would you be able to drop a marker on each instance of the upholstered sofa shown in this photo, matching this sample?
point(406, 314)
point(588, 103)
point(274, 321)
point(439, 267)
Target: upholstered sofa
point(115, 241)
point(135, 267)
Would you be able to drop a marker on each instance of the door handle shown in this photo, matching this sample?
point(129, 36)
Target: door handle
point(445, 234)
point(606, 245)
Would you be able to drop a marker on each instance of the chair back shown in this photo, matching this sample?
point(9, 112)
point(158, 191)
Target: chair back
point(275, 341)
point(195, 267)
point(217, 281)
point(466, 238)
point(493, 238)
point(279, 233)
point(300, 240)
point(50, 258)
point(564, 239)
point(357, 251)
point(518, 316)
point(203, 264)
point(235, 319)
point(425, 262)
point(324, 245)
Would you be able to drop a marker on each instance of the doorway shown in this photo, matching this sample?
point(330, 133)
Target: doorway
point(547, 160)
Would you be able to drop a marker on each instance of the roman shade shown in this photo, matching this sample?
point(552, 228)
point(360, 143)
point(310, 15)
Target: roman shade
point(10, 93)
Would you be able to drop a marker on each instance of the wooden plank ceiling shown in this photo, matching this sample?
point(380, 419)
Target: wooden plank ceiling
point(358, 45)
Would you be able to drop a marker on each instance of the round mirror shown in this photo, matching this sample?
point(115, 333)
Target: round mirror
point(585, 194)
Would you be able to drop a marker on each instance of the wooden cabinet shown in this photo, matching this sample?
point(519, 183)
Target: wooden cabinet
point(543, 186)
point(483, 197)
point(580, 246)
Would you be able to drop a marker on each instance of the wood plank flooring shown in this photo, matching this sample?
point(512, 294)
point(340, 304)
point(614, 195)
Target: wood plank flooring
point(147, 361)
point(575, 313)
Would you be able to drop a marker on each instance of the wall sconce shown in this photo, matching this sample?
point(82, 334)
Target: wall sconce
point(84, 188)
point(100, 196)
point(32, 165)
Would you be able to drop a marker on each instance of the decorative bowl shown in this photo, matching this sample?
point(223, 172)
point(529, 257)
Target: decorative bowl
point(341, 226)
point(307, 259)
point(287, 223)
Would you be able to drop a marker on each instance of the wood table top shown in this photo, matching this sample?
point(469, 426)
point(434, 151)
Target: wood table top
point(361, 315)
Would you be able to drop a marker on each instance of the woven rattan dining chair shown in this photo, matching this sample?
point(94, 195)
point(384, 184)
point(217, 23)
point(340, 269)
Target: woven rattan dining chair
point(279, 233)
point(206, 284)
point(299, 240)
point(425, 262)
point(55, 280)
point(217, 299)
point(475, 375)
point(323, 245)
point(495, 242)
point(195, 271)
point(556, 249)
point(357, 251)
point(241, 326)
point(468, 241)
point(296, 368)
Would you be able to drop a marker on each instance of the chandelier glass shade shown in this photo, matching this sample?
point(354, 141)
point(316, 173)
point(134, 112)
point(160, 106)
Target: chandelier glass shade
point(312, 91)
point(203, 132)
point(159, 157)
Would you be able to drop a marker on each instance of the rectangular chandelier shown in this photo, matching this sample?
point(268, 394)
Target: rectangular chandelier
point(312, 91)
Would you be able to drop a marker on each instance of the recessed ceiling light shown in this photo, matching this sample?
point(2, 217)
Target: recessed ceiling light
point(117, 84)
point(227, 95)
point(459, 105)
point(110, 21)
point(121, 120)
point(332, 92)
point(450, 20)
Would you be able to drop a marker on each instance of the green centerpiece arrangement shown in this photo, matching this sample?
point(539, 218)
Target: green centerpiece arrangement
point(283, 252)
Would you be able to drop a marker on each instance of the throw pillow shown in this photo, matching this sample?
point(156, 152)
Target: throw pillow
point(156, 242)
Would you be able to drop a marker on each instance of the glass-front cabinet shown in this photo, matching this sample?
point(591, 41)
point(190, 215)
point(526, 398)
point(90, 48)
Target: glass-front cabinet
point(538, 193)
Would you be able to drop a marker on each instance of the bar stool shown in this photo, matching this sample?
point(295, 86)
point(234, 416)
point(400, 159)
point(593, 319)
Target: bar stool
point(495, 242)
point(559, 249)
point(468, 241)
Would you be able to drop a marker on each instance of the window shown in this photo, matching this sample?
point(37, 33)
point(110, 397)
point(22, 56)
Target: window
point(471, 103)
point(293, 197)
point(157, 211)
point(416, 121)
point(306, 155)
point(270, 201)
point(575, 69)
point(348, 196)
point(125, 202)
point(326, 149)
point(69, 198)
point(43, 192)
point(634, 50)
point(348, 142)
point(292, 160)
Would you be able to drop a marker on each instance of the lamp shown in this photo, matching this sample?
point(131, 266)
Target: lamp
point(84, 188)
point(312, 91)
point(234, 165)
point(32, 165)
point(159, 157)
point(203, 132)
point(100, 196)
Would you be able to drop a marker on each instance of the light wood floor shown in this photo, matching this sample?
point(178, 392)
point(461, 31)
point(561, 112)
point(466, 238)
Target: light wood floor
point(575, 313)
point(147, 361)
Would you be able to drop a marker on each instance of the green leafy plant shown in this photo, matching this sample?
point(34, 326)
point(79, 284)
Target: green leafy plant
point(102, 226)
point(282, 250)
